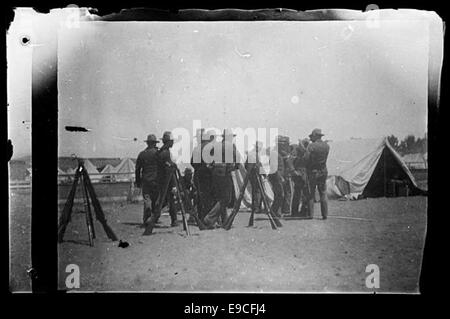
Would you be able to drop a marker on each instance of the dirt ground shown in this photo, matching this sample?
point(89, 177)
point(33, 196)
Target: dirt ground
point(20, 239)
point(302, 256)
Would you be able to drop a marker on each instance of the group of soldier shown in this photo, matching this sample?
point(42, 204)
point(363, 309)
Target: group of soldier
point(210, 188)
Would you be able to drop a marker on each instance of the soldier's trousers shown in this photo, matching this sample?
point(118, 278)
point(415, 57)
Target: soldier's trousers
point(150, 193)
point(204, 190)
point(222, 188)
point(278, 192)
point(256, 193)
point(162, 202)
point(286, 208)
point(318, 179)
point(300, 194)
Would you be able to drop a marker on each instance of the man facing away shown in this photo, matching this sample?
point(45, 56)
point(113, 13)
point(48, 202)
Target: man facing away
point(188, 184)
point(252, 162)
point(165, 167)
point(225, 161)
point(276, 180)
point(300, 179)
point(202, 173)
point(147, 176)
point(317, 154)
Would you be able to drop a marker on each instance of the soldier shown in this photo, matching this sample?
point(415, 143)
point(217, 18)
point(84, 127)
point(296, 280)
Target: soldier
point(300, 179)
point(317, 154)
point(165, 164)
point(286, 207)
point(253, 160)
point(225, 161)
point(202, 174)
point(188, 184)
point(147, 176)
point(276, 180)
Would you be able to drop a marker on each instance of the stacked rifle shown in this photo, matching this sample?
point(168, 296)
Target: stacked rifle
point(272, 216)
point(89, 196)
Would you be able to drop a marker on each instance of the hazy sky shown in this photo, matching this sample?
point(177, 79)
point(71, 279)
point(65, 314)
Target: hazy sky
point(129, 79)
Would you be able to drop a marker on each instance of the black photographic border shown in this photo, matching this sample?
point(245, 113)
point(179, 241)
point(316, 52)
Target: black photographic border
point(44, 144)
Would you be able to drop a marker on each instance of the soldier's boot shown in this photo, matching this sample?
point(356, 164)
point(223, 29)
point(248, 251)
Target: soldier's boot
point(147, 209)
point(324, 207)
point(147, 214)
point(149, 228)
point(191, 219)
point(304, 209)
point(173, 219)
point(211, 218)
point(311, 208)
point(198, 220)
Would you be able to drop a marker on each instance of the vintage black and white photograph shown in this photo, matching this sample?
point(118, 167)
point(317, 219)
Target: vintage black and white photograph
point(281, 154)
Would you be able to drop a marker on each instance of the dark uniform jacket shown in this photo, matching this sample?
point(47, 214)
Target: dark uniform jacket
point(279, 169)
point(164, 163)
point(299, 157)
point(317, 154)
point(196, 156)
point(227, 161)
point(147, 166)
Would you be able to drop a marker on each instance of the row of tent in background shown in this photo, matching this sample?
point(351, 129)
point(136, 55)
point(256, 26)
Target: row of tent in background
point(416, 161)
point(351, 165)
point(123, 172)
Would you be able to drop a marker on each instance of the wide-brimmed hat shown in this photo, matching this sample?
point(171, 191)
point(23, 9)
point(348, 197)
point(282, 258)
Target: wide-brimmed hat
point(167, 136)
point(316, 132)
point(151, 138)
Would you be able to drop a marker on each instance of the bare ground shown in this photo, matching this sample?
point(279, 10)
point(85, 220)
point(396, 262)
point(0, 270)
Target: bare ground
point(20, 240)
point(303, 255)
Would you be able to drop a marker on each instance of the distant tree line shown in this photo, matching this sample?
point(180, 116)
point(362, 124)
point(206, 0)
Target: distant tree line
point(409, 145)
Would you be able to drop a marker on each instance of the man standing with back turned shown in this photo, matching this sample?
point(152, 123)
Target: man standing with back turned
point(147, 176)
point(317, 154)
point(165, 165)
point(222, 184)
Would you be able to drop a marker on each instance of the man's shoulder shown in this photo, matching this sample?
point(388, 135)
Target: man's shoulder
point(142, 153)
point(148, 151)
point(318, 144)
point(324, 144)
point(163, 150)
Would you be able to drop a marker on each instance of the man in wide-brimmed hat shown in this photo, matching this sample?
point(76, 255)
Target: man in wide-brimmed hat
point(284, 149)
point(202, 173)
point(300, 179)
point(189, 186)
point(226, 159)
point(317, 155)
point(147, 175)
point(164, 164)
point(253, 162)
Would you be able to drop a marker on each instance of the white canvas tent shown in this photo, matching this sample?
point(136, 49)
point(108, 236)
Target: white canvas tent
point(126, 168)
point(92, 171)
point(367, 167)
point(415, 161)
point(61, 177)
point(108, 169)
